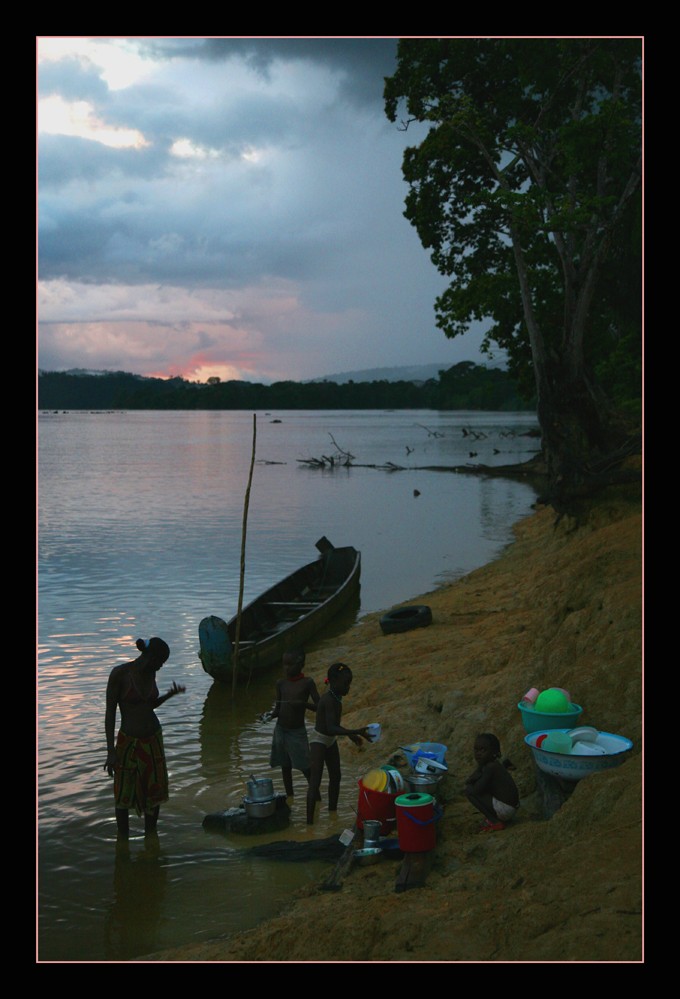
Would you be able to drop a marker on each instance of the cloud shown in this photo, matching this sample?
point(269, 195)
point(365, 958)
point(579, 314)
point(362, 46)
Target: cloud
point(73, 79)
point(260, 196)
point(360, 63)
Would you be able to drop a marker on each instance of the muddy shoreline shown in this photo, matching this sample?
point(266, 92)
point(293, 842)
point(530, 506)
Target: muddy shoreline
point(561, 607)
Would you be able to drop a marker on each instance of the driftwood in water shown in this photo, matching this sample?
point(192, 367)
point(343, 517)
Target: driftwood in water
point(430, 431)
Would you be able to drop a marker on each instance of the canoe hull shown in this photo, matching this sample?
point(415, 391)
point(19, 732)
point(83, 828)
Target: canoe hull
point(286, 616)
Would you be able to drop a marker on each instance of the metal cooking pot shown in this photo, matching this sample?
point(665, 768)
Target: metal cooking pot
point(369, 855)
point(260, 788)
point(421, 783)
point(259, 809)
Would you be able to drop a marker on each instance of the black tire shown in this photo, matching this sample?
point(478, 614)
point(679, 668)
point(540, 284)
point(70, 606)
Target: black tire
point(405, 619)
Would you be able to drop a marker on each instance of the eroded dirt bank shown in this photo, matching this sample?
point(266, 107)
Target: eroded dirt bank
point(561, 607)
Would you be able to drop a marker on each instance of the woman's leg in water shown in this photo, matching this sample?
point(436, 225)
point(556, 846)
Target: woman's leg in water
point(123, 822)
point(151, 820)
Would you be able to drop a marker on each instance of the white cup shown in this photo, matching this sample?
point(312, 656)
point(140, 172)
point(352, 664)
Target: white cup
point(374, 731)
point(587, 749)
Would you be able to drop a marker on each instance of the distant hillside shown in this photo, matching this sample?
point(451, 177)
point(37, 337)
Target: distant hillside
point(406, 373)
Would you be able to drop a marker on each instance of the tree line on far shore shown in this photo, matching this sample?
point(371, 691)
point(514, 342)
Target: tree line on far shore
point(464, 386)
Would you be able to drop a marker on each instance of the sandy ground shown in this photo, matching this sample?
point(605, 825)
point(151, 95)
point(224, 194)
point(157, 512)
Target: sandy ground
point(561, 607)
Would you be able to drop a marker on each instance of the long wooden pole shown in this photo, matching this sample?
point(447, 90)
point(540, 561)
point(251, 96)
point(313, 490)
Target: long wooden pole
point(243, 563)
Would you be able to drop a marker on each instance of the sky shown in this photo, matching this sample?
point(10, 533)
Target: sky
point(228, 207)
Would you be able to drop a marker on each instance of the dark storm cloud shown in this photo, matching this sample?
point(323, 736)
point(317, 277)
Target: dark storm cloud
point(362, 62)
point(132, 240)
point(220, 122)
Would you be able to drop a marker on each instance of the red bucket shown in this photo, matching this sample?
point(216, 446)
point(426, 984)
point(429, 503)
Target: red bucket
point(376, 805)
point(416, 819)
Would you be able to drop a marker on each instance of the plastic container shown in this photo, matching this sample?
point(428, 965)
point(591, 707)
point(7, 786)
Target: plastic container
point(575, 767)
point(428, 750)
point(587, 749)
point(376, 805)
point(375, 780)
point(395, 780)
point(552, 701)
point(416, 819)
point(530, 697)
point(586, 733)
point(556, 741)
point(541, 721)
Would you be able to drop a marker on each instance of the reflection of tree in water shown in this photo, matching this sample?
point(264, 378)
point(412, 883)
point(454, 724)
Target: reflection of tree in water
point(499, 506)
point(139, 885)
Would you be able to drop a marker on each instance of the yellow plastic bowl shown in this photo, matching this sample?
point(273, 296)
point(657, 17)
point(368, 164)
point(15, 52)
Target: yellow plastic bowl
point(375, 780)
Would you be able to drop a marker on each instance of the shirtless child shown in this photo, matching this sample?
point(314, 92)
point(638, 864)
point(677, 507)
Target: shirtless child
point(323, 744)
point(295, 694)
point(490, 788)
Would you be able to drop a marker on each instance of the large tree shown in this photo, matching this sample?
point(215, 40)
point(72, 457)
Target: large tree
point(526, 189)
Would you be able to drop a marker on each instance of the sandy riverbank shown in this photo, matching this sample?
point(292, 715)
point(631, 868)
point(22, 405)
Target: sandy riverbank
point(561, 607)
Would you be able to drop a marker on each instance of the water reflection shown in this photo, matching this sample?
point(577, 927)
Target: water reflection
point(139, 889)
point(140, 518)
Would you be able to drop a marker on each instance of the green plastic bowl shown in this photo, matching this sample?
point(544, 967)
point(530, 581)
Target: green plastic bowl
point(541, 721)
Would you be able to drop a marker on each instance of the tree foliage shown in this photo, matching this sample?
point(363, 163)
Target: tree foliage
point(526, 192)
point(463, 386)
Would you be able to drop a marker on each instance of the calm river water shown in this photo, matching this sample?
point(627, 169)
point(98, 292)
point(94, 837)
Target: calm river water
point(140, 519)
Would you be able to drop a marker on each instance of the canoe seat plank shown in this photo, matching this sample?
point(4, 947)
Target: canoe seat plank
point(293, 603)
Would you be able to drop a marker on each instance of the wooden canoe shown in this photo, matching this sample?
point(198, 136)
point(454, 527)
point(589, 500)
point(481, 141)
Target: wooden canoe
point(284, 617)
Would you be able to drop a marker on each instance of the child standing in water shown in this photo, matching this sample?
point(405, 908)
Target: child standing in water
point(295, 694)
point(490, 788)
point(323, 742)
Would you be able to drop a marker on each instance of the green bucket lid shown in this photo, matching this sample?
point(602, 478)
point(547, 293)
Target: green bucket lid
point(414, 800)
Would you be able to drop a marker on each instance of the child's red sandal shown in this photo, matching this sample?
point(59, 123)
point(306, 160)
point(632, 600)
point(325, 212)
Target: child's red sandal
point(492, 827)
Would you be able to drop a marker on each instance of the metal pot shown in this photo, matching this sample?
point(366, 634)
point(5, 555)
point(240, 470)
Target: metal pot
point(370, 855)
point(371, 832)
point(260, 788)
point(421, 783)
point(259, 809)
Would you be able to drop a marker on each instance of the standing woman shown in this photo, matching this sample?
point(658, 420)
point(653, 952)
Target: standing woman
point(137, 759)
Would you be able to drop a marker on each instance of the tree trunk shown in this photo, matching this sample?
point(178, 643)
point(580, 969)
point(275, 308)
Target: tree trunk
point(577, 431)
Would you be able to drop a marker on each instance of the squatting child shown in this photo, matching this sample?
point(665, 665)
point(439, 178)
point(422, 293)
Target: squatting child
point(490, 788)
